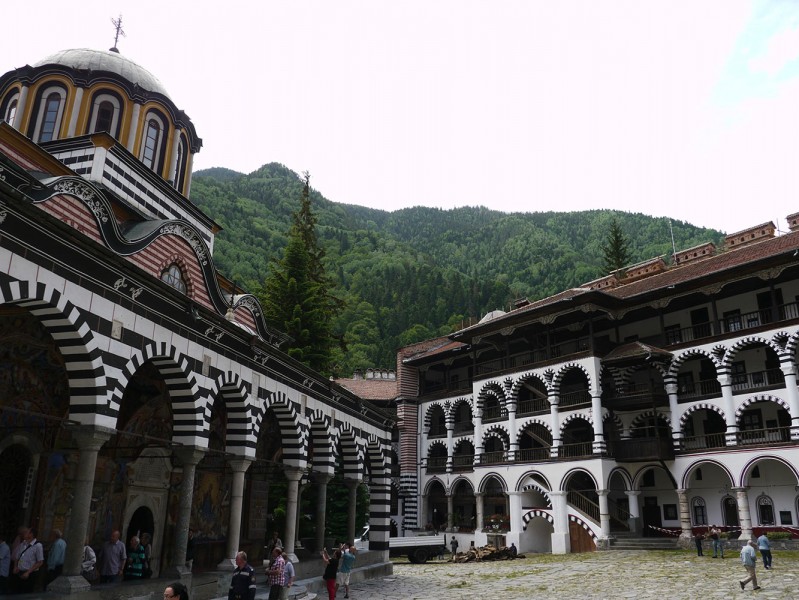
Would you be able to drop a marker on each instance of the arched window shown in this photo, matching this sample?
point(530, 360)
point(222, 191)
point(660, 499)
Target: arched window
point(50, 113)
point(152, 139)
point(10, 109)
point(153, 142)
point(106, 110)
point(699, 511)
point(765, 510)
point(173, 276)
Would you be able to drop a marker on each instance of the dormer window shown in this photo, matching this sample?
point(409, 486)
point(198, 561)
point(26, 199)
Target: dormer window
point(173, 277)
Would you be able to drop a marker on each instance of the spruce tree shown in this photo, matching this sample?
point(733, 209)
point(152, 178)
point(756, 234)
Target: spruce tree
point(616, 249)
point(297, 297)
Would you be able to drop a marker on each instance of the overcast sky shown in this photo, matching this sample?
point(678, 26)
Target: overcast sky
point(681, 108)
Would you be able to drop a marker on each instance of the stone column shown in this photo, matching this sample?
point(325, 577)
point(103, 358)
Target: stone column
point(745, 518)
point(449, 424)
point(450, 516)
point(239, 466)
point(599, 445)
point(604, 513)
point(89, 439)
point(513, 446)
point(793, 397)
point(731, 434)
point(635, 514)
point(190, 457)
point(560, 534)
point(293, 475)
point(478, 436)
point(515, 511)
point(352, 502)
point(676, 432)
point(554, 418)
point(478, 512)
point(321, 480)
point(685, 515)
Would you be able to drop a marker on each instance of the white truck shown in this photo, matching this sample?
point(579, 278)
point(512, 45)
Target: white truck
point(418, 548)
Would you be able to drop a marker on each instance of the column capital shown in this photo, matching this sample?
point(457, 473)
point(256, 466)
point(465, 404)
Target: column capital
point(293, 473)
point(240, 464)
point(351, 483)
point(320, 478)
point(739, 490)
point(632, 492)
point(91, 437)
point(189, 455)
point(602, 492)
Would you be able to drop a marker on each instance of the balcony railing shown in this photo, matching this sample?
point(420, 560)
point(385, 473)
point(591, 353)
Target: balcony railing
point(463, 462)
point(492, 458)
point(700, 443)
point(494, 413)
point(438, 432)
point(642, 449)
point(764, 437)
point(533, 454)
point(532, 406)
point(577, 450)
point(436, 464)
point(636, 395)
point(747, 382)
point(574, 398)
point(705, 387)
point(464, 427)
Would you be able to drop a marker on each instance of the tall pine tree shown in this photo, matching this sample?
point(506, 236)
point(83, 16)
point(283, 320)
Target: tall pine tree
point(616, 249)
point(297, 295)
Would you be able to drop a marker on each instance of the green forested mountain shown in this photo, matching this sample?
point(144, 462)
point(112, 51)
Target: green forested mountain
point(419, 272)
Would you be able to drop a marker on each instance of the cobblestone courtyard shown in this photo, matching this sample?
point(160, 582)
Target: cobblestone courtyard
point(617, 574)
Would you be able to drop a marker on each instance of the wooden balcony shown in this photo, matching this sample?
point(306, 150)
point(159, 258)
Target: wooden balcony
point(635, 397)
point(642, 449)
point(463, 462)
point(437, 464)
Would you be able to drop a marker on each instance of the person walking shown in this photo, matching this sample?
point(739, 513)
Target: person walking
point(344, 572)
point(134, 566)
point(289, 574)
point(749, 561)
point(331, 567)
point(454, 546)
point(113, 559)
point(55, 556)
point(764, 545)
point(275, 573)
point(715, 537)
point(242, 585)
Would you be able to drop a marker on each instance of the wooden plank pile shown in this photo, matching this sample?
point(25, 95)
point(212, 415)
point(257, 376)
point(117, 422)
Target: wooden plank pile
point(488, 552)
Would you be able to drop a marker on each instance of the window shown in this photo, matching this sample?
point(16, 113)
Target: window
point(151, 140)
point(11, 110)
point(699, 511)
point(739, 373)
point(673, 334)
point(765, 510)
point(732, 319)
point(173, 276)
point(752, 419)
point(50, 112)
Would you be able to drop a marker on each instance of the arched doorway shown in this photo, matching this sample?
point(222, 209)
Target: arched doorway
point(141, 522)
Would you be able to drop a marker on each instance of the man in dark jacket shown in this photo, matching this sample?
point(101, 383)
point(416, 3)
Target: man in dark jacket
point(242, 585)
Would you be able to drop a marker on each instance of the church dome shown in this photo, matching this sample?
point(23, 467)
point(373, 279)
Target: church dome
point(106, 61)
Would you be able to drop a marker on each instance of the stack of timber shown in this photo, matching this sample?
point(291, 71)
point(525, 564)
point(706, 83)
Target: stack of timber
point(489, 552)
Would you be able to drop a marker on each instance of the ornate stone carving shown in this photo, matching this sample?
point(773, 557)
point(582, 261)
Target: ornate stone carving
point(191, 237)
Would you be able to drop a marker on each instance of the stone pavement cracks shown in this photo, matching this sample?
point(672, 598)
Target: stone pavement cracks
point(665, 574)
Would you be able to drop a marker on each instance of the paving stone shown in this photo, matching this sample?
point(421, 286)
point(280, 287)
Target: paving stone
point(665, 574)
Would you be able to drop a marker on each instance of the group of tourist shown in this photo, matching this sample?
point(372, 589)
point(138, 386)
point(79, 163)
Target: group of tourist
point(748, 553)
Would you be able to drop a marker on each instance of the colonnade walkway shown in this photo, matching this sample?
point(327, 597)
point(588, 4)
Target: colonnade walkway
point(665, 574)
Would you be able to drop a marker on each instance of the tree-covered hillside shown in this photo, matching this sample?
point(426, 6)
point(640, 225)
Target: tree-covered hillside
point(418, 272)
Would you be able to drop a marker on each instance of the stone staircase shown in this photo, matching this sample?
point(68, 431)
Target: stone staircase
point(632, 541)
